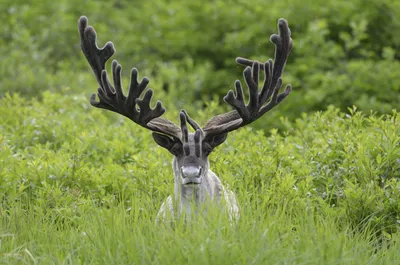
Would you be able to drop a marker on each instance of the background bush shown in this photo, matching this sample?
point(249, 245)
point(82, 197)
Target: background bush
point(344, 52)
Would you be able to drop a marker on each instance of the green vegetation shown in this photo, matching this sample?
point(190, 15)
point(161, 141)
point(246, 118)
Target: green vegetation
point(82, 186)
point(319, 184)
point(345, 52)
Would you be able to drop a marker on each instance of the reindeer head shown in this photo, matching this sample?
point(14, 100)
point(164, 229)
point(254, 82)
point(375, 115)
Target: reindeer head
point(190, 150)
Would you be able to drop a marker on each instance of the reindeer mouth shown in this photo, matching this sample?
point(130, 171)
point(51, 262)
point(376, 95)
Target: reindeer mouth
point(191, 181)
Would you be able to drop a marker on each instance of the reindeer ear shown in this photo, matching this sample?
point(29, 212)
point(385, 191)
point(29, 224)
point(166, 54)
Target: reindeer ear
point(216, 140)
point(173, 146)
point(163, 140)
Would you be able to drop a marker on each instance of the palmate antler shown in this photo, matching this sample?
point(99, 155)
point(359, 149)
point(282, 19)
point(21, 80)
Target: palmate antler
point(138, 109)
point(112, 98)
point(257, 105)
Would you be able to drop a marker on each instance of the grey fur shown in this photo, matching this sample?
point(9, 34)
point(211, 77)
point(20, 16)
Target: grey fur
point(208, 189)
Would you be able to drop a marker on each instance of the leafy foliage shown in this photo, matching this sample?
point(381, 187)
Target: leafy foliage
point(67, 169)
point(344, 52)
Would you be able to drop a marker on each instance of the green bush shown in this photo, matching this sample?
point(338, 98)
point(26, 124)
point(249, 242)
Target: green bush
point(343, 165)
point(84, 185)
point(344, 52)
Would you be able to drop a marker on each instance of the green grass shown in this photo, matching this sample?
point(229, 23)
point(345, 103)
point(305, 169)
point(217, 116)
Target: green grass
point(129, 236)
point(83, 186)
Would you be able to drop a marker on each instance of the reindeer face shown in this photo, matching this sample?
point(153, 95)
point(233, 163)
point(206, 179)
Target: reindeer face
point(191, 163)
point(190, 154)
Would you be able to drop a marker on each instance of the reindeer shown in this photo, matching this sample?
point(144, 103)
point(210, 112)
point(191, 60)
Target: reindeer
point(195, 184)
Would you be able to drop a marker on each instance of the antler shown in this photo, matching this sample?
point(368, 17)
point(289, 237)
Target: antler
point(184, 117)
point(112, 98)
point(257, 105)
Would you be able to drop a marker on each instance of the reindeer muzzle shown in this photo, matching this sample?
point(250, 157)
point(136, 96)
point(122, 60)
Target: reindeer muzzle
point(191, 175)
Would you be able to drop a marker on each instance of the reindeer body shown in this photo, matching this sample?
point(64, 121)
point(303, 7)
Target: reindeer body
point(186, 197)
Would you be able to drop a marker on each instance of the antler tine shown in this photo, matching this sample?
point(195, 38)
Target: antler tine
point(197, 142)
point(272, 84)
point(96, 57)
point(257, 105)
point(185, 133)
point(192, 122)
point(282, 25)
point(112, 98)
point(248, 62)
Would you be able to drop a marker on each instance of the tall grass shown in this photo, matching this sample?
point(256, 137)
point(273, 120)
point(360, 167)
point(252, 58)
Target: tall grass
point(120, 235)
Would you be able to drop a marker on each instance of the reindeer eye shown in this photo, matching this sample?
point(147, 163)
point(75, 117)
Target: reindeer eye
point(176, 149)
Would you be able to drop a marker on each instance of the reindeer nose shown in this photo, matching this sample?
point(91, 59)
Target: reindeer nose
point(191, 171)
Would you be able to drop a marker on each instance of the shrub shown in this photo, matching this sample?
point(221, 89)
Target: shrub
point(341, 165)
point(344, 53)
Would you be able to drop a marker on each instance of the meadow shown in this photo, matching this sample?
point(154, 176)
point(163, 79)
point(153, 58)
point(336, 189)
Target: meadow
point(317, 179)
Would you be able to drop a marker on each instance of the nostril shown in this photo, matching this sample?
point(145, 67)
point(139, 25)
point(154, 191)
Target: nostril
point(183, 173)
point(191, 171)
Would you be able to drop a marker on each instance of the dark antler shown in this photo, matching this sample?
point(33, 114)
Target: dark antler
point(184, 117)
point(112, 98)
point(257, 105)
